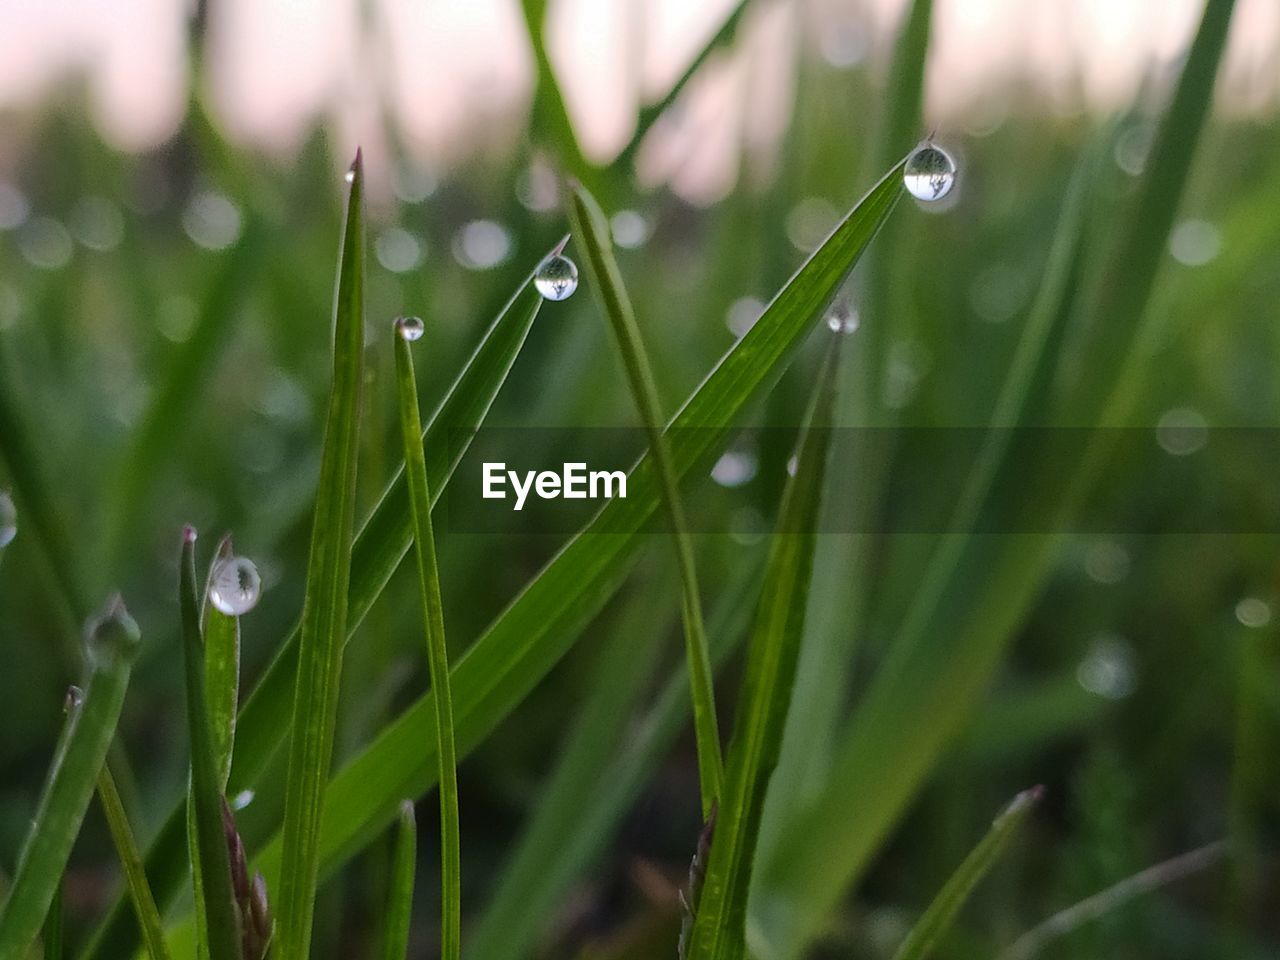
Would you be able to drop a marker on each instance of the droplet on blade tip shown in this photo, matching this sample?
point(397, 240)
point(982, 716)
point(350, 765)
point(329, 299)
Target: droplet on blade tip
point(235, 586)
point(556, 278)
point(410, 328)
point(8, 520)
point(929, 173)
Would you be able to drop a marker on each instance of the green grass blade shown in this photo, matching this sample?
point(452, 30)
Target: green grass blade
point(52, 938)
point(550, 113)
point(937, 920)
point(826, 848)
point(112, 645)
point(222, 926)
point(221, 672)
point(592, 231)
point(437, 652)
point(400, 908)
point(135, 876)
point(531, 635)
point(719, 927)
point(377, 552)
point(324, 612)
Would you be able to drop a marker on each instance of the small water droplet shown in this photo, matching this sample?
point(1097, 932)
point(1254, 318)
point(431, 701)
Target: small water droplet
point(1253, 612)
point(242, 800)
point(8, 520)
point(1107, 669)
point(735, 468)
point(235, 586)
point(410, 328)
point(350, 175)
point(112, 636)
point(930, 173)
point(843, 319)
point(557, 277)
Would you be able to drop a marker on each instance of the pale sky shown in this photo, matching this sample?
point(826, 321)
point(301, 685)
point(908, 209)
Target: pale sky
point(457, 74)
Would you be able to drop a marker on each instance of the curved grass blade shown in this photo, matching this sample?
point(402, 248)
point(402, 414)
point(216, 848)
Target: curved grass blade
point(126, 845)
point(400, 908)
point(826, 847)
point(937, 920)
point(650, 113)
point(593, 235)
point(112, 645)
point(52, 938)
point(1091, 908)
point(381, 544)
point(719, 925)
point(540, 625)
point(437, 652)
point(222, 930)
point(324, 612)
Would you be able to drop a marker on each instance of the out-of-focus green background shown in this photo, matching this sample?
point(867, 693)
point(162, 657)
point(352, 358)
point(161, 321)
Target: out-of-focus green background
point(164, 336)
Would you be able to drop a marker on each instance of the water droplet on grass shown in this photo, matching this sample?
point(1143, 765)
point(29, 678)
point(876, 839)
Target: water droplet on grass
point(235, 586)
point(557, 277)
point(112, 635)
point(8, 520)
point(410, 328)
point(350, 175)
point(1253, 612)
point(1107, 669)
point(843, 319)
point(930, 173)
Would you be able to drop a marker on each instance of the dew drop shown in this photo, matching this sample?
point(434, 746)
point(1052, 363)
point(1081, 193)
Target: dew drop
point(930, 173)
point(235, 586)
point(8, 520)
point(73, 701)
point(557, 277)
point(410, 328)
point(843, 319)
point(350, 175)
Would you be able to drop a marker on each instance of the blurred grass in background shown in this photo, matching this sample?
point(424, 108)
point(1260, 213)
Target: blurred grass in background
point(164, 354)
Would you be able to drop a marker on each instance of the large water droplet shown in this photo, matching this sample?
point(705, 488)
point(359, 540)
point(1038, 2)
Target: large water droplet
point(235, 586)
point(8, 520)
point(410, 328)
point(930, 173)
point(557, 277)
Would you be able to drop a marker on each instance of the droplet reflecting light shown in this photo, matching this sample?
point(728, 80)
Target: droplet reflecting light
point(235, 586)
point(557, 277)
point(929, 173)
point(410, 328)
point(8, 520)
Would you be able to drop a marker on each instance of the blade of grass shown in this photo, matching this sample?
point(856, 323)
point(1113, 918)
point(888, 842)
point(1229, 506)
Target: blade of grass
point(1091, 908)
point(437, 651)
point(650, 113)
point(720, 912)
point(602, 270)
point(381, 544)
point(324, 612)
point(937, 920)
point(222, 929)
point(400, 908)
point(222, 686)
point(112, 642)
point(550, 113)
point(842, 563)
point(826, 847)
point(53, 928)
point(144, 903)
point(536, 629)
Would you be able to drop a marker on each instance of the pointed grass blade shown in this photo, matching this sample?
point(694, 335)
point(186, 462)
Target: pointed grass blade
point(592, 231)
point(941, 914)
point(400, 906)
point(437, 651)
point(324, 612)
point(135, 876)
point(540, 625)
point(719, 925)
point(112, 642)
point(213, 862)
